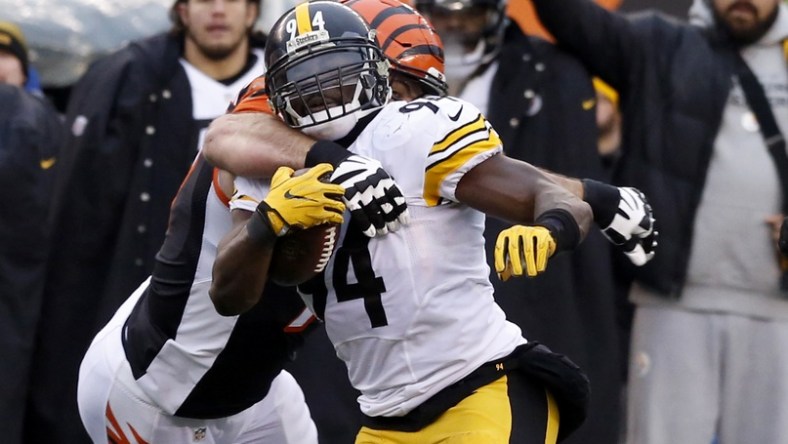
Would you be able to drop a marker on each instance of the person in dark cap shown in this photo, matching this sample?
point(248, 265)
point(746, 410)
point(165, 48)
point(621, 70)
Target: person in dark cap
point(14, 63)
point(31, 135)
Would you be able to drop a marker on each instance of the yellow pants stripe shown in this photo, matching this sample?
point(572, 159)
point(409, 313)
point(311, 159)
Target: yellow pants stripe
point(553, 420)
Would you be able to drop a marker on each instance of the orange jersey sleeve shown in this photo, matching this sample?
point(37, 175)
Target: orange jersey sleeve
point(252, 98)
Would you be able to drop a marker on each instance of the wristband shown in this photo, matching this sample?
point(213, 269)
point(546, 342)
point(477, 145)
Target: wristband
point(603, 199)
point(259, 227)
point(562, 227)
point(324, 151)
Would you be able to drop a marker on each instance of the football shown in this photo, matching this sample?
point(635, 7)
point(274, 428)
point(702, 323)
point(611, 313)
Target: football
point(300, 255)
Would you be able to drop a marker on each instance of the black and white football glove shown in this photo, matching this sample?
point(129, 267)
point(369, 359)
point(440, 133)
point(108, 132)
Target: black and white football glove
point(373, 198)
point(625, 217)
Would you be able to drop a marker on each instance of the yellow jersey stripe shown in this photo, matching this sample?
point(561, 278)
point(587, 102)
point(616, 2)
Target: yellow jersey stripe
point(477, 125)
point(437, 172)
point(553, 420)
point(785, 49)
point(302, 18)
point(244, 197)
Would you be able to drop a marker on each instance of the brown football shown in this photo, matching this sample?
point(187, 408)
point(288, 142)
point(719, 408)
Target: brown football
point(301, 254)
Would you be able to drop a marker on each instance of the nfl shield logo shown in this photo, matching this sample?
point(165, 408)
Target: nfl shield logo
point(199, 434)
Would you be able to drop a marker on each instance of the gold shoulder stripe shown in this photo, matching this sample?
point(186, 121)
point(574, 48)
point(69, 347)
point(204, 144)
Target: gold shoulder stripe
point(302, 18)
point(477, 125)
point(437, 172)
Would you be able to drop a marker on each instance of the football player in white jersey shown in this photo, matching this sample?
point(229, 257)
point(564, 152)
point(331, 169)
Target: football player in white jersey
point(411, 313)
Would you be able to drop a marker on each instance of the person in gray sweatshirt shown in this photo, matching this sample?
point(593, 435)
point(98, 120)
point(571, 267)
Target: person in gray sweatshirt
point(709, 356)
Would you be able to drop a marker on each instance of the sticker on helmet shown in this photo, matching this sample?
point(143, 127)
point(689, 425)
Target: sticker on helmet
point(309, 38)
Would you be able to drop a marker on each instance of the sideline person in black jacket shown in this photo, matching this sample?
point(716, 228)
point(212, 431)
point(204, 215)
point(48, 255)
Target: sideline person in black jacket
point(711, 323)
point(135, 123)
point(31, 137)
point(542, 103)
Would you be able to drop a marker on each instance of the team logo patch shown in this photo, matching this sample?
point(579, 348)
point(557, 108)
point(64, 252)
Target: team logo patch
point(199, 434)
point(307, 39)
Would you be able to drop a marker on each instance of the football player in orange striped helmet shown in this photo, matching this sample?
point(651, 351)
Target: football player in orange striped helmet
point(409, 42)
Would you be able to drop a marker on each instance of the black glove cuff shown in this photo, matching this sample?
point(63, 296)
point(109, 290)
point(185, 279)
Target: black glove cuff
point(603, 199)
point(259, 227)
point(562, 226)
point(324, 151)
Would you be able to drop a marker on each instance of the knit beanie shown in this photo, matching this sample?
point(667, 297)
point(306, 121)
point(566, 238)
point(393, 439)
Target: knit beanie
point(13, 41)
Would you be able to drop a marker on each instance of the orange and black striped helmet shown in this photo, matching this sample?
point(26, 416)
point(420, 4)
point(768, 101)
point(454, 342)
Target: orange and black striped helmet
point(407, 39)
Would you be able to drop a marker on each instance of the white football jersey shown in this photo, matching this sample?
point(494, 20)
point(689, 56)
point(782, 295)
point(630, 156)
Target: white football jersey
point(412, 312)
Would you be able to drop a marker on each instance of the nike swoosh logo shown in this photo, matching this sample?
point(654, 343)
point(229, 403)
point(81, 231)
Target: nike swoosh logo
point(47, 163)
point(588, 104)
point(293, 196)
point(456, 117)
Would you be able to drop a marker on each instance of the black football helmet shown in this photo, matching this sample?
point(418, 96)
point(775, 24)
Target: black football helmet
point(325, 69)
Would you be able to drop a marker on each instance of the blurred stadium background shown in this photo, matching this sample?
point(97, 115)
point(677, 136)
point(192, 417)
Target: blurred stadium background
point(66, 35)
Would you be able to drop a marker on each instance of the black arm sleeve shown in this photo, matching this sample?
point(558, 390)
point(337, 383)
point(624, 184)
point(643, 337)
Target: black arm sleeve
point(606, 42)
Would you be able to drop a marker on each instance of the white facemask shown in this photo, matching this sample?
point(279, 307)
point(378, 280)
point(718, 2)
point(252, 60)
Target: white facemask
point(333, 130)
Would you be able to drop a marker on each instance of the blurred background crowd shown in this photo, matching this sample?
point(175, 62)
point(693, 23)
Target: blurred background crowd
point(65, 36)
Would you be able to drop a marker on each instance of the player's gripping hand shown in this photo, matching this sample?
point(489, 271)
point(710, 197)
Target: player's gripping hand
point(301, 201)
point(375, 202)
point(625, 217)
point(523, 249)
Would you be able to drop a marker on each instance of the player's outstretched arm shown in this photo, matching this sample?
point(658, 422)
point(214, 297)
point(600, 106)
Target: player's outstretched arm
point(517, 191)
point(622, 213)
point(244, 254)
point(553, 218)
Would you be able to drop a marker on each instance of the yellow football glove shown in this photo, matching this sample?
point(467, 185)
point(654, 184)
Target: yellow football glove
point(302, 201)
point(520, 245)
